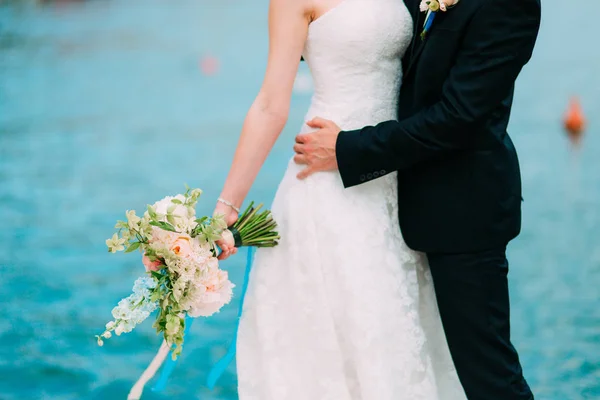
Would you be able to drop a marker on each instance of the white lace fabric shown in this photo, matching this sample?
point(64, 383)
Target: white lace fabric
point(342, 309)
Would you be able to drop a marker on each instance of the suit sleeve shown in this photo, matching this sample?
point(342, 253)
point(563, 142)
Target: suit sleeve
point(497, 44)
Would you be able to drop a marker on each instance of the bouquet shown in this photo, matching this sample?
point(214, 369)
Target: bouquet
point(182, 277)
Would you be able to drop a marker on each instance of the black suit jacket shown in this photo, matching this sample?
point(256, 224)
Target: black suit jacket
point(459, 185)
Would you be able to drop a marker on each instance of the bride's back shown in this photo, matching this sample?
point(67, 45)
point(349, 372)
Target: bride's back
point(354, 52)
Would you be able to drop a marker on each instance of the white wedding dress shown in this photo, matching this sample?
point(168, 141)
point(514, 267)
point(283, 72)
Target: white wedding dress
point(342, 309)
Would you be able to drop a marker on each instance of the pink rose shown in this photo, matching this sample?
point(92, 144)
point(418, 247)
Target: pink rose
point(217, 293)
point(182, 247)
point(178, 243)
point(162, 236)
point(151, 265)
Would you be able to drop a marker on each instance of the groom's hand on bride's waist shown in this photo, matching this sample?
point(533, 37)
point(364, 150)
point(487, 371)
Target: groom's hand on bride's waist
point(316, 149)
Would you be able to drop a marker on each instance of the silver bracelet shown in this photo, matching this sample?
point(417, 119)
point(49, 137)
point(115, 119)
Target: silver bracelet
point(222, 200)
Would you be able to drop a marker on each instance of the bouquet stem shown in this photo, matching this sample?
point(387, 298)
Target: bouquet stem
point(255, 229)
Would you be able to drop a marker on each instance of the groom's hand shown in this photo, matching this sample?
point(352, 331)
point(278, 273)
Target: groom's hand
point(316, 150)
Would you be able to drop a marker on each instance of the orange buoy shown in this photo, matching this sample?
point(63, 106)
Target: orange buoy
point(574, 121)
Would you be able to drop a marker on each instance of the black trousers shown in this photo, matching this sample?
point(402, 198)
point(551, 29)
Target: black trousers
point(472, 295)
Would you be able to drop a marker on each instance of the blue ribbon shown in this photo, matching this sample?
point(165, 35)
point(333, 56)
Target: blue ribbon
point(219, 368)
point(221, 365)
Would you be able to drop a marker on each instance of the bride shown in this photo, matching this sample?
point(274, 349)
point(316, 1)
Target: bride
point(341, 308)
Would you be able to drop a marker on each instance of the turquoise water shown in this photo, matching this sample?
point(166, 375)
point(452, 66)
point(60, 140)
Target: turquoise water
point(103, 107)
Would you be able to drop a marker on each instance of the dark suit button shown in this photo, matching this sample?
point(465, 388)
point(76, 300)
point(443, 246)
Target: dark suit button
point(375, 174)
point(369, 176)
point(383, 172)
point(362, 178)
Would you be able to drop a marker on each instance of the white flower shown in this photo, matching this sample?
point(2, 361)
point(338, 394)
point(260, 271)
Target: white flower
point(195, 193)
point(148, 306)
point(138, 316)
point(202, 249)
point(183, 216)
point(119, 329)
point(178, 289)
point(145, 226)
point(121, 312)
point(110, 325)
point(187, 270)
point(142, 286)
point(134, 300)
point(107, 335)
point(126, 234)
point(212, 263)
point(115, 243)
point(133, 220)
point(128, 326)
point(161, 206)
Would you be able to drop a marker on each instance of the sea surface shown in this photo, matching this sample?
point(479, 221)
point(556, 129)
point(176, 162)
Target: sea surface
point(110, 105)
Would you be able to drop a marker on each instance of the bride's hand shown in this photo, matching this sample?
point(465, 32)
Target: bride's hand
point(226, 243)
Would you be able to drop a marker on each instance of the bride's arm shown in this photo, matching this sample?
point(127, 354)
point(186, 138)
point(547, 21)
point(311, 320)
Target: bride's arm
point(288, 28)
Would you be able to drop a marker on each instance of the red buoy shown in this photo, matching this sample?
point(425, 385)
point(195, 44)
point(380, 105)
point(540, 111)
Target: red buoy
point(574, 121)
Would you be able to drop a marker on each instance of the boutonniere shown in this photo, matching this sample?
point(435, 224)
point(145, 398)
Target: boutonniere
point(431, 7)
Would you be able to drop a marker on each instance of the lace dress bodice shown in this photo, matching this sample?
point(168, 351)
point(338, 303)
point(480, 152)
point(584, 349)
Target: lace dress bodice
point(354, 52)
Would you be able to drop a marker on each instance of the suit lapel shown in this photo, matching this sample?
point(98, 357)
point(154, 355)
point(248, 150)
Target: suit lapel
point(418, 45)
point(416, 13)
point(416, 18)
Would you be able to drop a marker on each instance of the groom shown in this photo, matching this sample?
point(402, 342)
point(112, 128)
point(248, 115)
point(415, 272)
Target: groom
point(459, 185)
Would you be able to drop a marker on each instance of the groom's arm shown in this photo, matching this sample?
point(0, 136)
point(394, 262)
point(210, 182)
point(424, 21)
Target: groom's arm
point(497, 43)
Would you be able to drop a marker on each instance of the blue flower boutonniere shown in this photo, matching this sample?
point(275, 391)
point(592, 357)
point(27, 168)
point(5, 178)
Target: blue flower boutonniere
point(432, 7)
